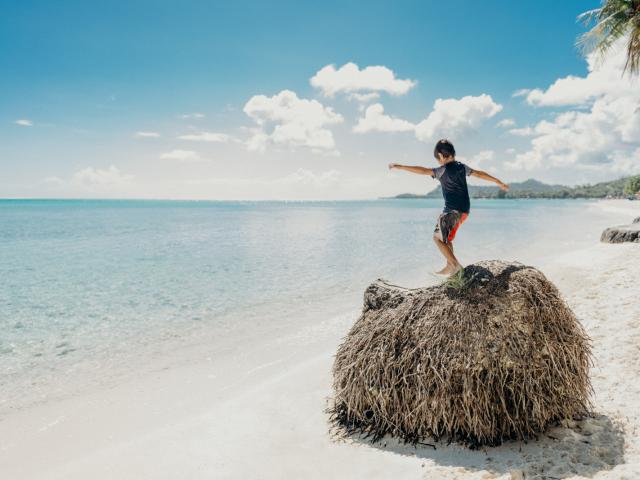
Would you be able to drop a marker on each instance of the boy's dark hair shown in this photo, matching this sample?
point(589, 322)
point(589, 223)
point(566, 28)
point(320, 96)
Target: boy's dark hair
point(445, 147)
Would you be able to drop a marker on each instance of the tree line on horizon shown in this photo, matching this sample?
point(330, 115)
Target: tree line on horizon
point(627, 187)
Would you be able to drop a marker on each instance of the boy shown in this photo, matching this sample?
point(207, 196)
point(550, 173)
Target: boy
point(452, 176)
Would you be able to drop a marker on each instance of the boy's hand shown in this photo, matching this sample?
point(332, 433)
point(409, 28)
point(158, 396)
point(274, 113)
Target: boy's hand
point(504, 186)
point(392, 166)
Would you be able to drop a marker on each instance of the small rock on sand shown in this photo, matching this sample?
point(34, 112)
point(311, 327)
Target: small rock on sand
point(516, 475)
point(623, 233)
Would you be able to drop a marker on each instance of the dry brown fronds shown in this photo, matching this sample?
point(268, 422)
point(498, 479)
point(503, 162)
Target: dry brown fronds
point(502, 358)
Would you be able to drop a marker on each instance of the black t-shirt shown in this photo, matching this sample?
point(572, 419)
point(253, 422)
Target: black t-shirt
point(453, 180)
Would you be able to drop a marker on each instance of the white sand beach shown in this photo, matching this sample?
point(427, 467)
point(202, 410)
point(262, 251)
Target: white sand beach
point(260, 414)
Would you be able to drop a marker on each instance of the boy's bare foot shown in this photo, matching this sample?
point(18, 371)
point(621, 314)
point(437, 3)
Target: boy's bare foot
point(444, 271)
point(450, 269)
point(454, 269)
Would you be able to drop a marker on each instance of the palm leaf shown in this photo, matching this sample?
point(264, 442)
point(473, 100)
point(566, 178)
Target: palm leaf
point(614, 20)
point(633, 51)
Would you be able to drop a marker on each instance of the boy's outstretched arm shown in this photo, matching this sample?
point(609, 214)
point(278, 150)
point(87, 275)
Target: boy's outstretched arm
point(490, 178)
point(418, 170)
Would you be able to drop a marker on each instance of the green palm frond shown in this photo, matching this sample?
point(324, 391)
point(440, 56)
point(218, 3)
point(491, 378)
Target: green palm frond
point(633, 49)
point(614, 20)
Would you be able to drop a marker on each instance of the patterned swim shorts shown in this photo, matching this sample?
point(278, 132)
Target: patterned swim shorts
point(448, 223)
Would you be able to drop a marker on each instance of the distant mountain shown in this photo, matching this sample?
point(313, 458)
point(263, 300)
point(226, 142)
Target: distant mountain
point(526, 189)
point(536, 189)
point(532, 185)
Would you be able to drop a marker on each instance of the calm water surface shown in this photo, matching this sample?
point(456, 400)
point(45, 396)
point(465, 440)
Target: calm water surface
point(92, 283)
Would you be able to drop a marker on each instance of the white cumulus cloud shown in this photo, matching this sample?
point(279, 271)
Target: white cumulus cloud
point(206, 137)
point(603, 78)
point(23, 122)
point(606, 133)
point(288, 121)
point(350, 79)
point(451, 116)
point(375, 120)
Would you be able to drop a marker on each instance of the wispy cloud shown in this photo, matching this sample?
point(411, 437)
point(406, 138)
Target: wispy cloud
point(521, 92)
point(523, 132)
point(301, 176)
point(206, 137)
point(146, 135)
point(182, 156)
point(24, 122)
point(53, 181)
point(482, 159)
point(91, 177)
point(302, 184)
point(195, 116)
point(506, 123)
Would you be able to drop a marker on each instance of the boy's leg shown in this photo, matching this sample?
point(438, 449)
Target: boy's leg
point(446, 228)
point(447, 251)
point(456, 266)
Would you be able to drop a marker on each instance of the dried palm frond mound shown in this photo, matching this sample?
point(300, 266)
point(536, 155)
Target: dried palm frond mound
point(497, 356)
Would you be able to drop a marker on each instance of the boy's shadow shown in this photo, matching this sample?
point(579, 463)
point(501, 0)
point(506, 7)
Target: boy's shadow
point(582, 448)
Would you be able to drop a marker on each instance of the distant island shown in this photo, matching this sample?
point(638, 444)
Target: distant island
point(621, 188)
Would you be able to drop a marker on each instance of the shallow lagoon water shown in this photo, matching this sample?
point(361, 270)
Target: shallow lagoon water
point(93, 287)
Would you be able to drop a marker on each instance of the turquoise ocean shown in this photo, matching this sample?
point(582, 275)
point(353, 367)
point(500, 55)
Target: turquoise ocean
point(92, 287)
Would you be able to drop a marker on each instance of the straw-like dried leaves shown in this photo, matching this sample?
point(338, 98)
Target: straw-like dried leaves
point(499, 356)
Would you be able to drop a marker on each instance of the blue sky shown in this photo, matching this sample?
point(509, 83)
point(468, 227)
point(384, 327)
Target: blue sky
point(96, 95)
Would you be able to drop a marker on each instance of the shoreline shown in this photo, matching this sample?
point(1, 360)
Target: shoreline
point(411, 196)
point(202, 418)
